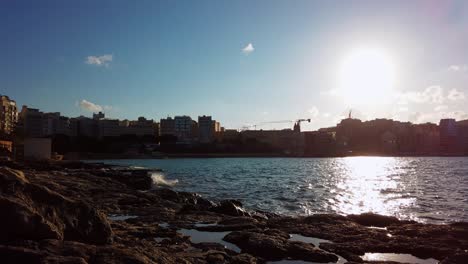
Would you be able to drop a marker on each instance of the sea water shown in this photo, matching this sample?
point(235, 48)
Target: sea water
point(425, 189)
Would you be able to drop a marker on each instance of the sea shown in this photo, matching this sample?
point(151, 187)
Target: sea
point(424, 189)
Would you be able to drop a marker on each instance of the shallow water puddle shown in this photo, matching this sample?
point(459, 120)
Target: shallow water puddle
point(376, 227)
point(212, 237)
point(121, 217)
point(164, 225)
point(205, 225)
point(310, 240)
point(404, 258)
point(289, 261)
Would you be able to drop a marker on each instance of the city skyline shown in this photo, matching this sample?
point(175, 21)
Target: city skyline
point(245, 63)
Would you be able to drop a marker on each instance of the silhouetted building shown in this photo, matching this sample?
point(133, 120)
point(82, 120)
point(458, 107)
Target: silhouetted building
point(84, 127)
point(141, 127)
point(286, 141)
point(448, 136)
point(99, 116)
point(205, 129)
point(347, 134)
point(319, 143)
point(167, 127)
point(109, 128)
point(31, 122)
point(463, 136)
point(183, 128)
point(54, 123)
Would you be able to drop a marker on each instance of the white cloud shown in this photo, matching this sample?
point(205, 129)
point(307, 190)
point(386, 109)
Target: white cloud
point(403, 109)
point(89, 106)
point(434, 117)
point(454, 95)
point(248, 49)
point(432, 94)
point(313, 112)
point(441, 108)
point(458, 68)
point(103, 60)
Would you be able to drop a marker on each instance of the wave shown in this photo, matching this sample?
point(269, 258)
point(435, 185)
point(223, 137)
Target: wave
point(159, 180)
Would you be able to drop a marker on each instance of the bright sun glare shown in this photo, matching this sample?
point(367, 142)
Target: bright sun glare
point(366, 76)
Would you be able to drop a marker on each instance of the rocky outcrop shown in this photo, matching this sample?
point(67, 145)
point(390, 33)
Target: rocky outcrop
point(230, 207)
point(55, 214)
point(30, 211)
point(371, 219)
point(275, 245)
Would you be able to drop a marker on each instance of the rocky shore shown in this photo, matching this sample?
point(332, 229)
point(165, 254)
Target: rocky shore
point(72, 212)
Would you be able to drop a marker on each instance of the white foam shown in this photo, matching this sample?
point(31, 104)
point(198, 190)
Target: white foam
point(159, 180)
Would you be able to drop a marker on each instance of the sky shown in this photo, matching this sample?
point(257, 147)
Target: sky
point(243, 62)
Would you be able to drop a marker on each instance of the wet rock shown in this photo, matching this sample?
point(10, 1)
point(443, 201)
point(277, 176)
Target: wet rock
point(30, 211)
point(460, 257)
point(230, 207)
point(371, 219)
point(274, 245)
point(215, 258)
point(137, 180)
point(244, 259)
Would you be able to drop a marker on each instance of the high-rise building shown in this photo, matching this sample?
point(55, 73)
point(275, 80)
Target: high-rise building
point(31, 121)
point(183, 128)
point(205, 129)
point(167, 127)
point(54, 123)
point(8, 114)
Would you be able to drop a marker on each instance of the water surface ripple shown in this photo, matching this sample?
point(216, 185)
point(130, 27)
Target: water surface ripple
point(426, 189)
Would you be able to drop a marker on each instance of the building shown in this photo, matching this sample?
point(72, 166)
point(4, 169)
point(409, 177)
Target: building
point(205, 129)
point(463, 135)
point(55, 124)
point(99, 116)
point(448, 136)
point(347, 134)
point(319, 143)
point(6, 146)
point(37, 148)
point(84, 127)
point(287, 141)
point(109, 128)
point(8, 115)
point(31, 122)
point(141, 127)
point(167, 127)
point(183, 128)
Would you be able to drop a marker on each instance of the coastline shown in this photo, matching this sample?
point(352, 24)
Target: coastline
point(127, 220)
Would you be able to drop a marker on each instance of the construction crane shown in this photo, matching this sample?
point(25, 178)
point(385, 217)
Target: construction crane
point(297, 124)
point(296, 127)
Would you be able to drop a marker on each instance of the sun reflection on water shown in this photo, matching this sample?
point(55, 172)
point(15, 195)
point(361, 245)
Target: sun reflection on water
point(364, 184)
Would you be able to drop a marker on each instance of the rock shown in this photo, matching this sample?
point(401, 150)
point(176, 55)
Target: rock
point(230, 207)
point(274, 245)
point(9, 254)
point(30, 211)
point(215, 258)
point(140, 180)
point(457, 258)
point(244, 259)
point(371, 219)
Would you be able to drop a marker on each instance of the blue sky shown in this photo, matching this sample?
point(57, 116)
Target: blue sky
point(159, 58)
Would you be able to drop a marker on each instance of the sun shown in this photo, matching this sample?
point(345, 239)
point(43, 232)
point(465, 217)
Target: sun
point(366, 76)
